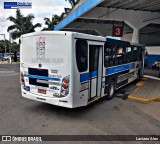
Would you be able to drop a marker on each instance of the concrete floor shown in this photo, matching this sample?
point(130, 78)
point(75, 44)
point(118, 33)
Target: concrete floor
point(20, 116)
point(151, 72)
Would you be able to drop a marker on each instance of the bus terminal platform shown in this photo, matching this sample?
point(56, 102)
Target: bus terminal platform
point(148, 88)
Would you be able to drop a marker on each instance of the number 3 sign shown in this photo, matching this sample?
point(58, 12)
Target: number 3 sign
point(117, 31)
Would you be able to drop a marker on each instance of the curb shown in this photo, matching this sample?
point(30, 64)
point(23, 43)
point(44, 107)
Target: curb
point(139, 85)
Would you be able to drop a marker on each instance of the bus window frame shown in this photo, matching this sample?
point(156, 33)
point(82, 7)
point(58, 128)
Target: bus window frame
point(79, 66)
point(123, 55)
point(138, 51)
point(112, 54)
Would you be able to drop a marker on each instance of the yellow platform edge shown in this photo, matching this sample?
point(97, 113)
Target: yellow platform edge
point(144, 99)
point(140, 84)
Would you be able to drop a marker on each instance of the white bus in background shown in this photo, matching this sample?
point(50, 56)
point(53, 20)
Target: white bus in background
point(71, 69)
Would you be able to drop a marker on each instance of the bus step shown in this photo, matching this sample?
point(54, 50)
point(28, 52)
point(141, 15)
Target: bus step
point(92, 100)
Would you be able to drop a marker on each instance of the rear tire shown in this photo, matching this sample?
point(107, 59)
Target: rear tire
point(111, 90)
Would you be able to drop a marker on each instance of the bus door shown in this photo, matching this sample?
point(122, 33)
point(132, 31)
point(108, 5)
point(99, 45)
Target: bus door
point(95, 68)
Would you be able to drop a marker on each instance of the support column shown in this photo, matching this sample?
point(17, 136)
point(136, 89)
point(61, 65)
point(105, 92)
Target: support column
point(135, 38)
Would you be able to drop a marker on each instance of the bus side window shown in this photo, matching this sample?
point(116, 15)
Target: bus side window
point(139, 53)
point(135, 53)
point(128, 54)
point(119, 56)
point(82, 55)
point(124, 56)
point(109, 55)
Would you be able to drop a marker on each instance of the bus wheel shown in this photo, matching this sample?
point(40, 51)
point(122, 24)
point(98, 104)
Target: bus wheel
point(111, 90)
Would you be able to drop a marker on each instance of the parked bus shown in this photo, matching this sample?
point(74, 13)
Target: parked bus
point(71, 69)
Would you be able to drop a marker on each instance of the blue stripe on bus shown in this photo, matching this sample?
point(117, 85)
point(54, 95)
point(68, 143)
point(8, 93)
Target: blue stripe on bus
point(93, 74)
point(85, 76)
point(41, 77)
point(120, 68)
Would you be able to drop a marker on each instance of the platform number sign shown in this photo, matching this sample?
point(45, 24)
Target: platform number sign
point(117, 31)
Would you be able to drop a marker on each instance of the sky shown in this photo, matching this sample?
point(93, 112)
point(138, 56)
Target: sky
point(40, 9)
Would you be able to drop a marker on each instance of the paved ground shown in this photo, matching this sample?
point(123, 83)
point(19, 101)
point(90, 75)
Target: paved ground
point(151, 72)
point(20, 116)
point(150, 89)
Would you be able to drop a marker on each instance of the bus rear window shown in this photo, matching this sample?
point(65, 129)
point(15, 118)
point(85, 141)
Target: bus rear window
point(53, 51)
point(82, 55)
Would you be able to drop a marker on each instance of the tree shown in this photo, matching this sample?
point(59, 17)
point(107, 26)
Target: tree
point(22, 24)
point(54, 21)
point(73, 2)
point(14, 46)
point(2, 46)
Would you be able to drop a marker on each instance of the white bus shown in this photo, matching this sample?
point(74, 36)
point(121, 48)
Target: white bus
point(71, 69)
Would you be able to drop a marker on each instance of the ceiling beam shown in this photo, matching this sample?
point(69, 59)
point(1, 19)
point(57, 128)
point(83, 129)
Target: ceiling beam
point(140, 5)
point(109, 3)
point(154, 2)
point(153, 8)
point(126, 4)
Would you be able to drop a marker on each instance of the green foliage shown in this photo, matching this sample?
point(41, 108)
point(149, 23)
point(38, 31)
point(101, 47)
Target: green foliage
point(21, 24)
point(14, 46)
point(54, 21)
point(73, 2)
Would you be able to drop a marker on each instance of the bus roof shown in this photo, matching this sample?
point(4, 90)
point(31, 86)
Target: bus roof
point(79, 35)
point(118, 41)
point(46, 33)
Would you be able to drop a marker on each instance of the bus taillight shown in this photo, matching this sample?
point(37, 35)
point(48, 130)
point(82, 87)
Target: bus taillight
point(22, 81)
point(21, 75)
point(65, 87)
point(65, 80)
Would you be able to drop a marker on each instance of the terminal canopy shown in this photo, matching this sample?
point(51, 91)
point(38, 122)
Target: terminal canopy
point(140, 19)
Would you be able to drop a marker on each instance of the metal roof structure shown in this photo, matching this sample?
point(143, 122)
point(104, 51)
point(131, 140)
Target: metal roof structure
point(97, 17)
point(139, 5)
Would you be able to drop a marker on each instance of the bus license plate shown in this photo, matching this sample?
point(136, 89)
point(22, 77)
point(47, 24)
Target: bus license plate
point(41, 91)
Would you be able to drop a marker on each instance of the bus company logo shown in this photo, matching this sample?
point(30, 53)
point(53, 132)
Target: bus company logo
point(54, 88)
point(40, 45)
point(17, 5)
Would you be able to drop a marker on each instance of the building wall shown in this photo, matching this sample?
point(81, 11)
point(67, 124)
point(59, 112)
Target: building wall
point(153, 50)
point(127, 37)
point(149, 39)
